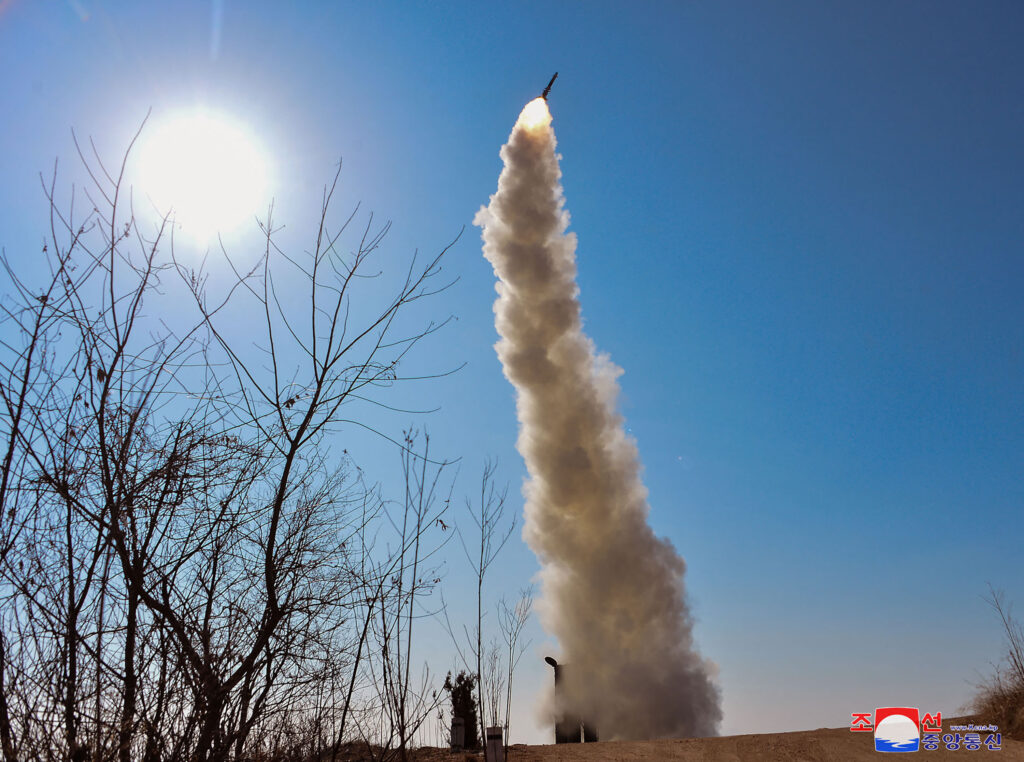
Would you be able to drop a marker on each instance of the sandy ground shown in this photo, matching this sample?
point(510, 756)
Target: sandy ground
point(832, 744)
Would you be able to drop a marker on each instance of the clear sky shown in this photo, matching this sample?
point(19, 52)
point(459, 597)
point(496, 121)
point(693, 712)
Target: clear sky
point(800, 234)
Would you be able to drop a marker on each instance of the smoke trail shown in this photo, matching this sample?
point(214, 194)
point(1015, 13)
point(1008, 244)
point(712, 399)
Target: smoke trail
point(612, 592)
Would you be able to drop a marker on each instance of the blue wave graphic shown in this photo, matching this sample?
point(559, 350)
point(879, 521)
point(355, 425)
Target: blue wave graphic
point(882, 745)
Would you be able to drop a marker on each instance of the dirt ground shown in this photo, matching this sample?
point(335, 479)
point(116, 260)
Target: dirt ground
point(824, 744)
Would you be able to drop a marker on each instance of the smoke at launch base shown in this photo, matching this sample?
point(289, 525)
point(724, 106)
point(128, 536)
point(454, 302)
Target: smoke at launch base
point(612, 592)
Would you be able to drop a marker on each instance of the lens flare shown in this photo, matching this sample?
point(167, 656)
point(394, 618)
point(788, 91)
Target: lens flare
point(535, 115)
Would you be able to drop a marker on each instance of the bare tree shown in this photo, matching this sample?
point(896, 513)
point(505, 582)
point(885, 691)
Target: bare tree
point(414, 574)
point(495, 682)
point(487, 515)
point(180, 552)
point(512, 620)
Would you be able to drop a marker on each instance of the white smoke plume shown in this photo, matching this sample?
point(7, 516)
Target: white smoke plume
point(612, 592)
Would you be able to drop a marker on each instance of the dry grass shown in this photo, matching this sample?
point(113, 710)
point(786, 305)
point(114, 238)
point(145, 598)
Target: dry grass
point(1001, 702)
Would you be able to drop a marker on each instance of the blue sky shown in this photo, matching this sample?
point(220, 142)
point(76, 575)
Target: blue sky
point(800, 235)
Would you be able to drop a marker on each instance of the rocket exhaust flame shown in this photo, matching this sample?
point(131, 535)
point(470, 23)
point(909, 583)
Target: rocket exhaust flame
point(535, 115)
point(612, 592)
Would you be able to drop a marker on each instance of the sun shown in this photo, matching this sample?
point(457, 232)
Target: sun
point(206, 170)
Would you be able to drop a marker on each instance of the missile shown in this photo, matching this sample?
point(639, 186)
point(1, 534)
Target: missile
point(547, 89)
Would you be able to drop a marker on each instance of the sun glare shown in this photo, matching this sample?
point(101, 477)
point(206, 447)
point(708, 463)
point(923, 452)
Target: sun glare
point(210, 173)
